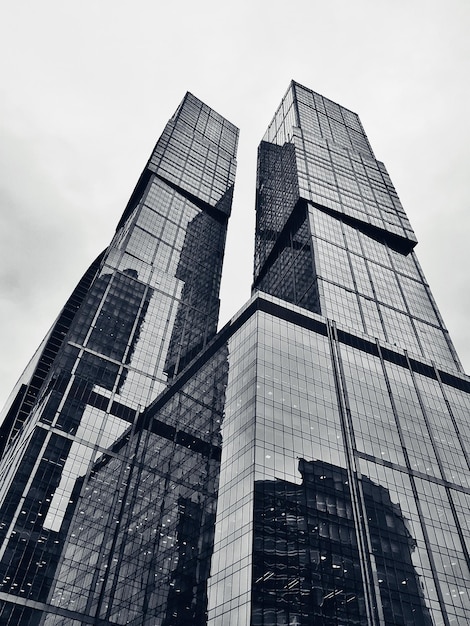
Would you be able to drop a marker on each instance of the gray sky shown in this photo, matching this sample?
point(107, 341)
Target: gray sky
point(87, 88)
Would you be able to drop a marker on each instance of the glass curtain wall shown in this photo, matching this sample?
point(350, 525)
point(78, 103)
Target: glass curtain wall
point(142, 312)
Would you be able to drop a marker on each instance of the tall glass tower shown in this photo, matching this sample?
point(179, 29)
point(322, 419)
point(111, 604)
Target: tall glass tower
point(353, 436)
point(344, 482)
point(144, 308)
point(307, 465)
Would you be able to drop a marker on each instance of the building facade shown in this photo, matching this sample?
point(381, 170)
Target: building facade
point(307, 465)
point(142, 310)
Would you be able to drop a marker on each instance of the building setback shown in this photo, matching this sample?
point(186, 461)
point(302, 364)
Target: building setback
point(307, 465)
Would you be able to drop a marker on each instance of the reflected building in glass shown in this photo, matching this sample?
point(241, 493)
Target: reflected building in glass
point(307, 465)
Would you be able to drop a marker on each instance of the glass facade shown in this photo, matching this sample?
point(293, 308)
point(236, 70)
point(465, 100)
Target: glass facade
point(360, 459)
point(331, 233)
point(141, 312)
point(308, 465)
point(343, 480)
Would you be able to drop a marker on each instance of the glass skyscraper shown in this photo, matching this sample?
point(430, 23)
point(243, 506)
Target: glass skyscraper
point(140, 313)
point(306, 465)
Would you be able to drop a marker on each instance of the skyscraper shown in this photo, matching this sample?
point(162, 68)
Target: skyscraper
point(306, 465)
point(141, 311)
point(344, 483)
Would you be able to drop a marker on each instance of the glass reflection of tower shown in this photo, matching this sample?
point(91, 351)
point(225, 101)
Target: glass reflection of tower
point(306, 562)
point(108, 354)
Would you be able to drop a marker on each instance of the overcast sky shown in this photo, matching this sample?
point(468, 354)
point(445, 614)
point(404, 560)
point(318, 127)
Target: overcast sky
point(86, 89)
